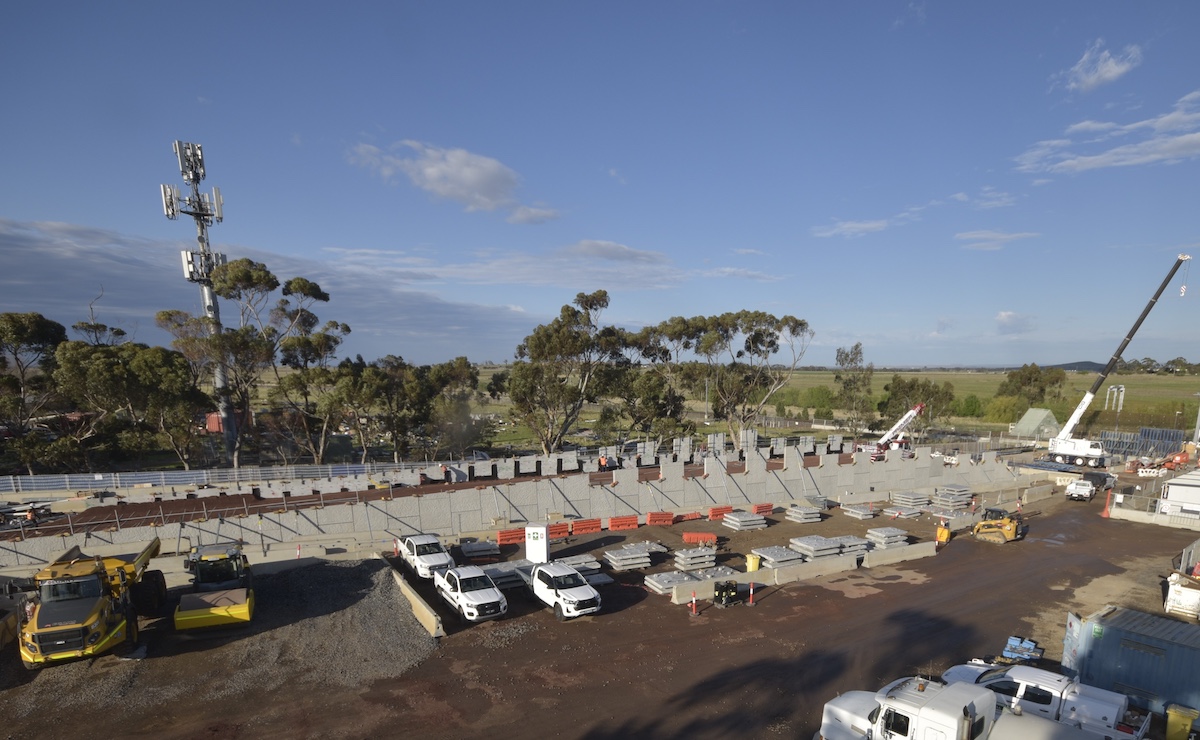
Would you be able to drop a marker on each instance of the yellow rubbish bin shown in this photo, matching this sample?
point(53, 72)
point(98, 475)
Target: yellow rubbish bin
point(1179, 721)
point(752, 562)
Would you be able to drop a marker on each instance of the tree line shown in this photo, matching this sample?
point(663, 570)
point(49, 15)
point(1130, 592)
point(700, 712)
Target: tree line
point(100, 401)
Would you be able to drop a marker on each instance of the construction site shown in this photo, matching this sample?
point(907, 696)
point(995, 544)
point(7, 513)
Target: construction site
point(740, 591)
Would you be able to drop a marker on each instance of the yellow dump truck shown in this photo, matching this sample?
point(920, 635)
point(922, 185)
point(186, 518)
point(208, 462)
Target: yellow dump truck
point(84, 606)
point(222, 588)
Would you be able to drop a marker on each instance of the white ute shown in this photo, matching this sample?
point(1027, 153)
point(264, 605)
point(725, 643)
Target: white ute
point(1054, 696)
point(561, 588)
point(1081, 490)
point(918, 707)
point(424, 554)
point(469, 591)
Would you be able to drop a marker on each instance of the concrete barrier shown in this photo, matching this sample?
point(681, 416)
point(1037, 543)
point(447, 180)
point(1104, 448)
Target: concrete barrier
point(876, 558)
point(425, 614)
point(819, 567)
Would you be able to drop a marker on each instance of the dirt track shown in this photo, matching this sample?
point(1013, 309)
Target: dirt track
point(644, 668)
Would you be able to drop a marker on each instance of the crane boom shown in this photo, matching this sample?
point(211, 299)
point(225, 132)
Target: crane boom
point(901, 425)
point(1063, 445)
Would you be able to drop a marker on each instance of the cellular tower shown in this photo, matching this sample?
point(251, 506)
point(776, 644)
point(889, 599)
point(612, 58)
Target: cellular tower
point(198, 264)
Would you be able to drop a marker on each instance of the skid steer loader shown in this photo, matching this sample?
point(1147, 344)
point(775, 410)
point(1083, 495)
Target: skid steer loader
point(1000, 526)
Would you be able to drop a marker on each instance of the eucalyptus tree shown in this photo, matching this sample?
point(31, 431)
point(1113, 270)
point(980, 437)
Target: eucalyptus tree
point(27, 345)
point(745, 357)
point(901, 395)
point(563, 365)
point(854, 376)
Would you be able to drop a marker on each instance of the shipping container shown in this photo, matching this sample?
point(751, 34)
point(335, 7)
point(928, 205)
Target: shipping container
point(1153, 659)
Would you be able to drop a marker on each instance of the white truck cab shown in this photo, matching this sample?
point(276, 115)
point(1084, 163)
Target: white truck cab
point(562, 588)
point(425, 554)
point(1051, 695)
point(471, 593)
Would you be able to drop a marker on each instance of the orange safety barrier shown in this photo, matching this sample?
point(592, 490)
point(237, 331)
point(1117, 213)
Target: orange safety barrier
point(659, 518)
point(688, 517)
point(699, 538)
point(718, 513)
point(510, 536)
point(763, 508)
point(585, 526)
point(623, 522)
point(558, 531)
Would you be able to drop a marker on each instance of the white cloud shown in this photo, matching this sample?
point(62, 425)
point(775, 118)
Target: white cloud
point(478, 182)
point(531, 215)
point(850, 229)
point(613, 252)
point(1173, 136)
point(987, 240)
point(742, 273)
point(750, 252)
point(1099, 67)
point(1010, 322)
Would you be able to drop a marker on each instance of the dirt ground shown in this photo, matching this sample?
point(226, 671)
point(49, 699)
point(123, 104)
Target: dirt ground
point(645, 668)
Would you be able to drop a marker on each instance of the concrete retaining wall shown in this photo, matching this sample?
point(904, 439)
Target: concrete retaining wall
point(497, 504)
point(427, 617)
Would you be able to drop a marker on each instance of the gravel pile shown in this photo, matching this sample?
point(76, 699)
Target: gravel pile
point(344, 624)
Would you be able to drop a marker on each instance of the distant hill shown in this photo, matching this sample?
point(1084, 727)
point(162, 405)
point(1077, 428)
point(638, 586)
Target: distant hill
point(1087, 367)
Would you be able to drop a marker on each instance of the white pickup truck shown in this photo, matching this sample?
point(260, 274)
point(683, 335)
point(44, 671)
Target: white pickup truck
point(918, 707)
point(425, 554)
point(561, 588)
point(1056, 697)
point(470, 593)
point(1081, 490)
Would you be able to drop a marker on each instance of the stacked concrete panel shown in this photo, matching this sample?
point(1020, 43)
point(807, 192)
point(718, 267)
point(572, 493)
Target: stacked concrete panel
point(860, 511)
point(696, 558)
point(633, 556)
point(815, 546)
point(744, 520)
point(882, 538)
point(775, 556)
point(850, 545)
point(662, 583)
point(803, 514)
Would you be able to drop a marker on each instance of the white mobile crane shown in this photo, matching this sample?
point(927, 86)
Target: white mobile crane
point(1066, 449)
point(891, 438)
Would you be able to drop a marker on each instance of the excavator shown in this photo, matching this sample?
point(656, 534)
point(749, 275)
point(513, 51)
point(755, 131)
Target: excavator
point(999, 526)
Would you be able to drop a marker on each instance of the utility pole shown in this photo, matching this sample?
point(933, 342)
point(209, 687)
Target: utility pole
point(198, 264)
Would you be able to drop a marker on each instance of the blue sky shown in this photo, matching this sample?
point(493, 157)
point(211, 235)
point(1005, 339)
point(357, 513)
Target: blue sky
point(948, 183)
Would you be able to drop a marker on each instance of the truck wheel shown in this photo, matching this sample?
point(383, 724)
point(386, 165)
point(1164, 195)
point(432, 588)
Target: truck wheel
point(1058, 459)
point(462, 616)
point(131, 629)
point(150, 594)
point(31, 666)
point(558, 613)
point(1080, 461)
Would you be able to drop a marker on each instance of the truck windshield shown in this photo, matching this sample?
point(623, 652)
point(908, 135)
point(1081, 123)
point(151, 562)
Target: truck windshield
point(476, 583)
point(215, 571)
point(68, 590)
point(433, 548)
point(571, 580)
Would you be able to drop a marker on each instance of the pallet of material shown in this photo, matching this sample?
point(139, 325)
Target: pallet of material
point(859, 511)
point(585, 564)
point(882, 538)
point(744, 520)
point(775, 556)
point(803, 514)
